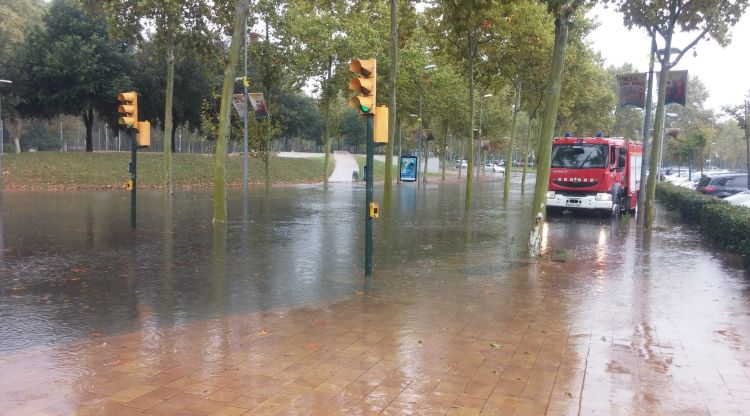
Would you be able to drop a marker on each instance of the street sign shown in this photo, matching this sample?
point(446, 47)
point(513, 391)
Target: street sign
point(408, 168)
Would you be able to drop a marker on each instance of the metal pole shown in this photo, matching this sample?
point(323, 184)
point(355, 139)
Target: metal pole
point(133, 169)
point(646, 130)
point(661, 148)
point(419, 150)
point(398, 177)
point(2, 138)
point(245, 166)
point(368, 195)
point(479, 136)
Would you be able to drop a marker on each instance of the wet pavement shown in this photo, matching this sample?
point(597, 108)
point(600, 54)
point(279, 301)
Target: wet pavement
point(273, 315)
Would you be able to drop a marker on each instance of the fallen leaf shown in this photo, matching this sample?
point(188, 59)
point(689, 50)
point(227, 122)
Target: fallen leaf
point(262, 333)
point(496, 345)
point(312, 346)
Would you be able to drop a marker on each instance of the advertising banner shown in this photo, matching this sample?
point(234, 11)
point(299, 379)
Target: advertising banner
point(408, 168)
point(632, 89)
point(676, 87)
point(256, 100)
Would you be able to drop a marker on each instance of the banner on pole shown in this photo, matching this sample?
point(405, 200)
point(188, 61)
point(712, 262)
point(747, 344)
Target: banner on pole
point(676, 87)
point(258, 103)
point(239, 104)
point(632, 88)
point(256, 100)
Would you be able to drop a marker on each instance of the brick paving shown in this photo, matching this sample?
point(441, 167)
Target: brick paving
point(582, 337)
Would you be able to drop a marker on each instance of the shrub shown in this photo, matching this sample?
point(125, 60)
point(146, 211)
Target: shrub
point(727, 225)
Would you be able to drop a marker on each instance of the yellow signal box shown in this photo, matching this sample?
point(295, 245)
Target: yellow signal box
point(374, 210)
point(364, 85)
point(143, 138)
point(380, 127)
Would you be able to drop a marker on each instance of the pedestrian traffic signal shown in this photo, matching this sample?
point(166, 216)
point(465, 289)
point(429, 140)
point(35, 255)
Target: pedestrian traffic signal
point(380, 127)
point(128, 108)
point(364, 85)
point(143, 138)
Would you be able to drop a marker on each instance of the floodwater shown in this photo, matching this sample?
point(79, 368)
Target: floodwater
point(180, 316)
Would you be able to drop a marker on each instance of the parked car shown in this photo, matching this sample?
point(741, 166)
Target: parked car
point(491, 167)
point(740, 198)
point(462, 164)
point(722, 185)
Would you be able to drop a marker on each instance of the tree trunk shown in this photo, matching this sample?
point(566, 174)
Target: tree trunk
point(392, 110)
point(513, 129)
point(426, 159)
point(646, 131)
point(267, 159)
point(470, 144)
point(16, 134)
point(526, 161)
point(220, 172)
point(648, 205)
point(326, 143)
point(539, 206)
point(168, 117)
point(88, 120)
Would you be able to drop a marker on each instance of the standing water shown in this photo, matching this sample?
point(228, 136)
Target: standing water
point(613, 319)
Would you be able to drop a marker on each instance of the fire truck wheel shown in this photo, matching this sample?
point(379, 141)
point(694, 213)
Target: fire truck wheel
point(616, 204)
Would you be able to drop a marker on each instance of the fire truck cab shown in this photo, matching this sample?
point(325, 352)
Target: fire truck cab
point(594, 173)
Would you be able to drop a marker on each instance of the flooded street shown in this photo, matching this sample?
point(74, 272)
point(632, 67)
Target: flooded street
point(273, 315)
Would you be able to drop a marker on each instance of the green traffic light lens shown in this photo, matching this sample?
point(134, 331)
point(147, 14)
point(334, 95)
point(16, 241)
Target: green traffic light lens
point(364, 109)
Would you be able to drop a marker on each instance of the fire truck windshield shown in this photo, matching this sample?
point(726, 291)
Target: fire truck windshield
point(579, 156)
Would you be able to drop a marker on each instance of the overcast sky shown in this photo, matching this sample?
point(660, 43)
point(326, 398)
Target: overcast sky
point(724, 71)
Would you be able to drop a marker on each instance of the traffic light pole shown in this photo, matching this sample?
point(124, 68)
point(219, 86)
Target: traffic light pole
point(132, 169)
point(369, 176)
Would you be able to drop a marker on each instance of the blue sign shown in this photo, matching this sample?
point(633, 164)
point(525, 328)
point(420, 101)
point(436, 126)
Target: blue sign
point(408, 168)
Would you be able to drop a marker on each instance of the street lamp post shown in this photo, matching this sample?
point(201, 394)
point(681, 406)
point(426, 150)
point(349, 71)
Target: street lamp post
point(245, 162)
point(3, 82)
point(661, 148)
point(426, 155)
point(479, 138)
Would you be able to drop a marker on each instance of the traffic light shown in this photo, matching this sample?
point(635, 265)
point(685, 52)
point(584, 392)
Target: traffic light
point(380, 128)
point(128, 108)
point(143, 138)
point(364, 85)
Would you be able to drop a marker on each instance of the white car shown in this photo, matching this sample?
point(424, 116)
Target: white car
point(491, 167)
point(742, 199)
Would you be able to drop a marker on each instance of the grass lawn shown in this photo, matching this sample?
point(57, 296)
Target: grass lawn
point(379, 167)
point(78, 170)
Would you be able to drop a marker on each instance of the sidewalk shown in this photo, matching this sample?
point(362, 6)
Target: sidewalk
point(345, 165)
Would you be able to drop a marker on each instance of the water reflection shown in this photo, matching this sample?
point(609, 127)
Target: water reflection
point(182, 295)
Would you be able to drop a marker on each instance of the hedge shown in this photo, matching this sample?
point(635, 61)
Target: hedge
point(727, 225)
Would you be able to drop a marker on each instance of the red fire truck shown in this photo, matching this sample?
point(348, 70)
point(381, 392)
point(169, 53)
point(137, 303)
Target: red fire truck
point(597, 173)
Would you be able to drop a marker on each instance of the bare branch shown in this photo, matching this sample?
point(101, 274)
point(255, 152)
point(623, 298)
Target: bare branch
point(690, 45)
